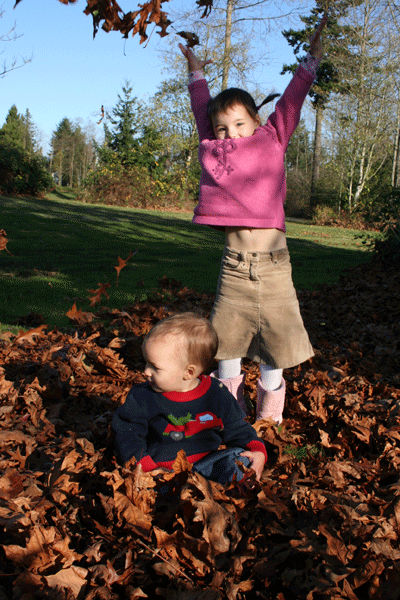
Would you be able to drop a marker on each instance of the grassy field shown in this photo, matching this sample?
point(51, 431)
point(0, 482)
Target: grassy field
point(61, 249)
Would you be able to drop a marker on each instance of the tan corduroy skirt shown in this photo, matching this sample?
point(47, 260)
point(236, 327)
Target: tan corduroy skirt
point(256, 312)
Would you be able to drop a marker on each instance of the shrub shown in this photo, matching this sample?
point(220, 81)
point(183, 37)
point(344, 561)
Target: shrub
point(21, 172)
point(111, 184)
point(133, 186)
point(379, 216)
point(387, 244)
point(325, 215)
point(297, 201)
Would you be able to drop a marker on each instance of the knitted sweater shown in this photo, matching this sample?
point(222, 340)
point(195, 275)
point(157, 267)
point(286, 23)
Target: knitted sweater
point(153, 427)
point(243, 180)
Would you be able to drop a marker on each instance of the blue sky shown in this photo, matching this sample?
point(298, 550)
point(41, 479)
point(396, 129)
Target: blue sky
point(71, 75)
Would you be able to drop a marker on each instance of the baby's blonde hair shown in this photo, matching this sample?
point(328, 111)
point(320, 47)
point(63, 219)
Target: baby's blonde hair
point(198, 336)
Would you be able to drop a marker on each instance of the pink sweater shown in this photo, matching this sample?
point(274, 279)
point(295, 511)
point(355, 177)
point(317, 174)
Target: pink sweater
point(243, 180)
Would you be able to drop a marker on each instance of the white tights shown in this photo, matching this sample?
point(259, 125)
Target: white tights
point(270, 378)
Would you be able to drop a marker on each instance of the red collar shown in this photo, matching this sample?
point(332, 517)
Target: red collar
point(197, 392)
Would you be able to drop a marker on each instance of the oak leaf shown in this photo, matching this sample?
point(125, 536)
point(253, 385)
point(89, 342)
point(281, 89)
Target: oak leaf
point(122, 263)
point(181, 464)
point(97, 294)
point(3, 241)
point(28, 336)
point(80, 317)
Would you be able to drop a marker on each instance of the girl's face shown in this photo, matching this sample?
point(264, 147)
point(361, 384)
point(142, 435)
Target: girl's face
point(235, 122)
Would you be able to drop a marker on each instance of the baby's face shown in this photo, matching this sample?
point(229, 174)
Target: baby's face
point(166, 364)
point(235, 122)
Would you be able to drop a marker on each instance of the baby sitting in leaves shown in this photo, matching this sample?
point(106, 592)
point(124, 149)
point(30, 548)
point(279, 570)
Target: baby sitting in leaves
point(180, 408)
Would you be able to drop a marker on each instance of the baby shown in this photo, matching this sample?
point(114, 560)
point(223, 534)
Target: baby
point(180, 408)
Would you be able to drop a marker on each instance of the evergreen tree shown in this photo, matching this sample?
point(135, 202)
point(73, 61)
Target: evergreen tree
point(122, 137)
point(132, 140)
point(14, 129)
point(29, 142)
point(60, 144)
point(20, 131)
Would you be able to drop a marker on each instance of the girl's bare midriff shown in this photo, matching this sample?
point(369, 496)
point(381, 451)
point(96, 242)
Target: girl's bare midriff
point(244, 239)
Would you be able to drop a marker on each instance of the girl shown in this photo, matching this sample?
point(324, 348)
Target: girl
point(242, 190)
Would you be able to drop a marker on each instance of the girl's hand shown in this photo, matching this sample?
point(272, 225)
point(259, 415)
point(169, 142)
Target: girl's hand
point(257, 460)
point(316, 48)
point(194, 63)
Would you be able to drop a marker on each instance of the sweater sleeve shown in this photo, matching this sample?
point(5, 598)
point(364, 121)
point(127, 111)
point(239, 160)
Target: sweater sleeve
point(199, 99)
point(286, 115)
point(237, 432)
point(130, 425)
point(311, 63)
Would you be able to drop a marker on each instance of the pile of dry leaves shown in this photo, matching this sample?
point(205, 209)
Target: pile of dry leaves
point(323, 522)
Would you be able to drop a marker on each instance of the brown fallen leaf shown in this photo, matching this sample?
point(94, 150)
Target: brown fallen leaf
point(71, 578)
point(323, 520)
point(81, 318)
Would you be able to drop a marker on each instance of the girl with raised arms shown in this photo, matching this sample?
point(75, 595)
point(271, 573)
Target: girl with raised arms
point(242, 191)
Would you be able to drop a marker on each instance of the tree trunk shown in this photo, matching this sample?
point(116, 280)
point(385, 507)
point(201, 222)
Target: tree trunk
point(396, 154)
point(71, 165)
point(60, 167)
point(316, 155)
point(227, 47)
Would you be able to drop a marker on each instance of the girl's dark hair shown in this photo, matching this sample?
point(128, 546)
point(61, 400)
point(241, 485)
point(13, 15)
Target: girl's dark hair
point(231, 96)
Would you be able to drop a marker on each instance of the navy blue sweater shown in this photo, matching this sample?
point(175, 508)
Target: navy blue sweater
point(152, 427)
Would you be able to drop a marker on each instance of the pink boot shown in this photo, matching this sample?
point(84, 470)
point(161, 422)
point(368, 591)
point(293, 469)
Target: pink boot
point(236, 387)
point(270, 404)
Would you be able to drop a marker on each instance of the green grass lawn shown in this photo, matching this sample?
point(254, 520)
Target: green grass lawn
point(61, 249)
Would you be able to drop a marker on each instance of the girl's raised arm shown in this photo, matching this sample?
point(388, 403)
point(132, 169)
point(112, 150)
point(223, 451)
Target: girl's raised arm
point(316, 48)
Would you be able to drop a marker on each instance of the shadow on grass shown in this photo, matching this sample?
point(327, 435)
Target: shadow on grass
point(63, 249)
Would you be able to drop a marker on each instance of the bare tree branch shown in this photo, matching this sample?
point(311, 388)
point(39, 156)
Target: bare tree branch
point(14, 63)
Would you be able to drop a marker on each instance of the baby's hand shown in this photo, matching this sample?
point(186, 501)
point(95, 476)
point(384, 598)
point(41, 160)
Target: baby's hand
point(194, 63)
point(316, 48)
point(257, 460)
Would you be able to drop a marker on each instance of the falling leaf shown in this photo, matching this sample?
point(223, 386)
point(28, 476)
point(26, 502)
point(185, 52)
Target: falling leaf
point(192, 39)
point(101, 115)
point(208, 6)
point(97, 294)
point(122, 263)
point(4, 241)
